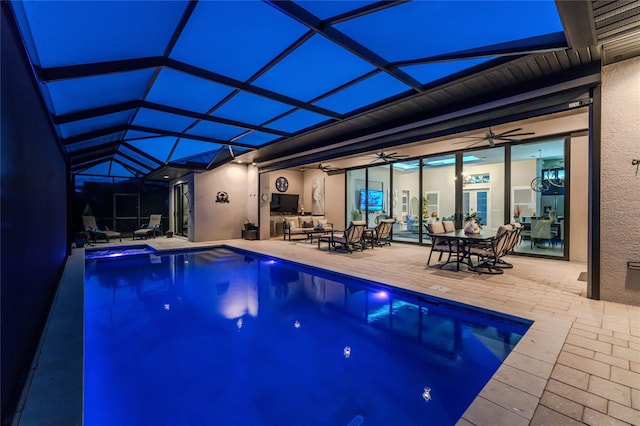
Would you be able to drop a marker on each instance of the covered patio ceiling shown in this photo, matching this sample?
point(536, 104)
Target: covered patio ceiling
point(160, 89)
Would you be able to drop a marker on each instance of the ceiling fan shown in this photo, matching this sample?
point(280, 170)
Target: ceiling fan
point(324, 167)
point(491, 137)
point(387, 157)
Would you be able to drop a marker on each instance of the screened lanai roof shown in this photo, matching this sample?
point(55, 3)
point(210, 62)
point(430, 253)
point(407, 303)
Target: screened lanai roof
point(136, 88)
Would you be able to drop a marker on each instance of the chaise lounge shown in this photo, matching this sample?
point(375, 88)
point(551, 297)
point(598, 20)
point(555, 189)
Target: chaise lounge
point(96, 233)
point(150, 229)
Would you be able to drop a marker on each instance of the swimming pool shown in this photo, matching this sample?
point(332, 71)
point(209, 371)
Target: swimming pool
point(222, 337)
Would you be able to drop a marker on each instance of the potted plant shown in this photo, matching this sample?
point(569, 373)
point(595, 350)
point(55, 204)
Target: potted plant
point(250, 226)
point(472, 223)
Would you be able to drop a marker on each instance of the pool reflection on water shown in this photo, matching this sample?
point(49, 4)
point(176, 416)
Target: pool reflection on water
point(233, 338)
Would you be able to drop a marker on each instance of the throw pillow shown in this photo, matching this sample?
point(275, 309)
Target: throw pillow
point(322, 223)
point(307, 224)
point(293, 224)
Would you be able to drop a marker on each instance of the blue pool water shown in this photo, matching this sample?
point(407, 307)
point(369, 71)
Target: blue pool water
point(220, 337)
point(104, 253)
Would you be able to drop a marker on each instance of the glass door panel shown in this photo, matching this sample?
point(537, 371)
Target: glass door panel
point(181, 209)
point(438, 189)
point(356, 183)
point(405, 200)
point(483, 186)
point(538, 197)
point(377, 204)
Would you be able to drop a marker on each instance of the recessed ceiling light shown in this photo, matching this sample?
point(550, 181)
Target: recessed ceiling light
point(166, 176)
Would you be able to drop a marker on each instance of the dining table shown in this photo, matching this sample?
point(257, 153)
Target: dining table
point(463, 242)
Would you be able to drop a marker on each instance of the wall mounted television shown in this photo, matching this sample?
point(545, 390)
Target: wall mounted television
point(284, 203)
point(371, 199)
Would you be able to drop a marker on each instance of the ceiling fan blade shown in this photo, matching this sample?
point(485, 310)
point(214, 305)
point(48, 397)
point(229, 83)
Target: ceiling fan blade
point(517, 134)
point(476, 139)
point(510, 131)
point(509, 140)
point(474, 143)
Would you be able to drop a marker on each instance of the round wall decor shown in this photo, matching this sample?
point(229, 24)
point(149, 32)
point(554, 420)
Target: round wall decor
point(282, 184)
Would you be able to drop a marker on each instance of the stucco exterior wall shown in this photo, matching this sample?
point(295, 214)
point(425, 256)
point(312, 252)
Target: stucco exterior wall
point(620, 185)
point(219, 221)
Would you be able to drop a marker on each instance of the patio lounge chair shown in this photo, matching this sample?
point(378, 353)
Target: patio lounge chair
point(96, 233)
point(349, 239)
point(153, 227)
point(381, 235)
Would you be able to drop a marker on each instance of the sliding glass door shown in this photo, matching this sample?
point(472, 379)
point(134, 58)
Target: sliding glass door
point(438, 188)
point(416, 192)
point(376, 206)
point(538, 196)
point(483, 186)
point(406, 200)
point(181, 209)
point(356, 184)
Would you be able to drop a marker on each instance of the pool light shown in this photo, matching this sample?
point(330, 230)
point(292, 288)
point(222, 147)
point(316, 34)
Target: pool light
point(426, 394)
point(381, 294)
point(347, 351)
point(296, 324)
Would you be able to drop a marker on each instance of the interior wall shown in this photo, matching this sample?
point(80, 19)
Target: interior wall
point(406, 181)
point(441, 180)
point(34, 216)
point(215, 220)
point(620, 195)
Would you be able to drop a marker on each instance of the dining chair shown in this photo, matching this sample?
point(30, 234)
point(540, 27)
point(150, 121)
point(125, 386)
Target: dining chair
point(540, 230)
point(449, 226)
point(489, 256)
point(439, 245)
